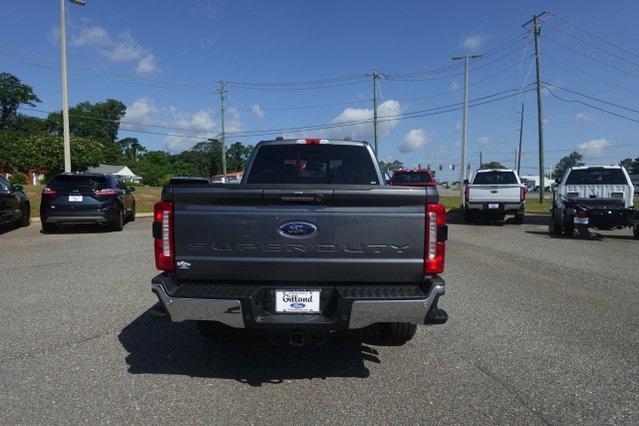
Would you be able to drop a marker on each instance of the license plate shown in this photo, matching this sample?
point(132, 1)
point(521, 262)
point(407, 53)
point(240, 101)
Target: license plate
point(493, 206)
point(75, 198)
point(581, 221)
point(297, 301)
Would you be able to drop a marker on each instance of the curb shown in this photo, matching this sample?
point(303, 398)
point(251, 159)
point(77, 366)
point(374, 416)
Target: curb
point(137, 215)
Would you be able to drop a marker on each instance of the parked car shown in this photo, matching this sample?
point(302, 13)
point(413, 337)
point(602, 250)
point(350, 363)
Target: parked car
point(73, 198)
point(495, 193)
point(14, 204)
point(414, 177)
point(598, 197)
point(312, 243)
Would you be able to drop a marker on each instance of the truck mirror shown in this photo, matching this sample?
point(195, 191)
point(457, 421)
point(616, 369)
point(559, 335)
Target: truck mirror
point(466, 182)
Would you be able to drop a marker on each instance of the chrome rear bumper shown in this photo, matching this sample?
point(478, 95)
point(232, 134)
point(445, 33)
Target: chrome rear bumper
point(362, 313)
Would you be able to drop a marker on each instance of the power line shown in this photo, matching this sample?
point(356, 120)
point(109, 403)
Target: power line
point(591, 106)
point(596, 36)
point(575, 92)
point(593, 45)
point(565, 46)
point(618, 86)
point(302, 83)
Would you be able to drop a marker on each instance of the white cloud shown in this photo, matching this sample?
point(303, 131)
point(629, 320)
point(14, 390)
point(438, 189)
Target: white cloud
point(257, 110)
point(139, 113)
point(458, 125)
point(454, 86)
point(143, 115)
point(582, 117)
point(123, 48)
point(91, 36)
point(483, 140)
point(594, 147)
point(413, 140)
point(473, 42)
point(364, 131)
point(147, 65)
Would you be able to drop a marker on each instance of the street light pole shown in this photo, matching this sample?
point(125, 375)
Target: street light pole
point(464, 159)
point(65, 89)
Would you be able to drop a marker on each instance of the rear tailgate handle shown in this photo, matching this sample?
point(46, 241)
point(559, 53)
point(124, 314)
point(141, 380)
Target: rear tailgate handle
point(494, 191)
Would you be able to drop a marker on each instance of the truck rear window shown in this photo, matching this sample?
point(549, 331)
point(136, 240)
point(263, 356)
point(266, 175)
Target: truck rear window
point(411, 178)
point(322, 164)
point(65, 182)
point(495, 178)
point(596, 176)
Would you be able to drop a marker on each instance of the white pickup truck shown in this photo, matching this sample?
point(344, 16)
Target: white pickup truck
point(495, 193)
point(598, 197)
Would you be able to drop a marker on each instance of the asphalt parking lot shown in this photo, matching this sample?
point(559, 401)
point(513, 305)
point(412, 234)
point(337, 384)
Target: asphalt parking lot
point(541, 330)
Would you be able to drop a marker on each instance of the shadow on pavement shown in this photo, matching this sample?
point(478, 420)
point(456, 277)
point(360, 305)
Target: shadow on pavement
point(456, 216)
point(178, 348)
point(80, 229)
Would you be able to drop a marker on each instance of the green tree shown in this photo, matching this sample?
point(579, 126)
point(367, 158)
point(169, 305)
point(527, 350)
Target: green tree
point(389, 167)
point(44, 152)
point(99, 121)
point(13, 93)
point(571, 160)
point(492, 165)
point(237, 155)
point(131, 148)
point(206, 157)
point(632, 166)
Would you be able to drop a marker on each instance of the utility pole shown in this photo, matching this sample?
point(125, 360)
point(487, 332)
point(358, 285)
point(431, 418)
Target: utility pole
point(375, 75)
point(223, 133)
point(65, 90)
point(521, 133)
point(481, 159)
point(540, 108)
point(463, 171)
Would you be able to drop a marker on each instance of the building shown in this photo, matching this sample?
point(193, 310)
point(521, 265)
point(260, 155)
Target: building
point(233, 177)
point(123, 172)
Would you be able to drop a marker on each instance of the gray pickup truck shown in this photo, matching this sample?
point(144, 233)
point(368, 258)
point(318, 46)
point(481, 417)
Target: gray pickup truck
point(311, 244)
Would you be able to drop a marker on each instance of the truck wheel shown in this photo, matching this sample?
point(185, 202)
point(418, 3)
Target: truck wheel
point(397, 333)
point(635, 231)
point(583, 231)
point(554, 227)
point(212, 329)
point(569, 229)
point(519, 218)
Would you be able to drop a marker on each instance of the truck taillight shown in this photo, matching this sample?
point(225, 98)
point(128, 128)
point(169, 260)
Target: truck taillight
point(466, 193)
point(522, 194)
point(435, 239)
point(163, 236)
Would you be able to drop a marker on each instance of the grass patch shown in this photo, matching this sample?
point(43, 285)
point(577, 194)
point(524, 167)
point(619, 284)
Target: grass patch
point(145, 197)
point(532, 206)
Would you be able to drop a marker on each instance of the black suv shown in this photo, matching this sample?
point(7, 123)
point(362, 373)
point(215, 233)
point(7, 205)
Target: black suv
point(86, 198)
point(14, 204)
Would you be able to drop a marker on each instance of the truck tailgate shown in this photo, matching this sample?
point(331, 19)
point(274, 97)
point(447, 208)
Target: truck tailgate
point(497, 193)
point(363, 234)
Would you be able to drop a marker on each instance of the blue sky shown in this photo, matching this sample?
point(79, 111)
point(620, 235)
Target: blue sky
point(162, 59)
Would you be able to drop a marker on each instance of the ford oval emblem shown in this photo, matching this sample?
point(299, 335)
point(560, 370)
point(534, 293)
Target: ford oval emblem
point(297, 229)
point(298, 305)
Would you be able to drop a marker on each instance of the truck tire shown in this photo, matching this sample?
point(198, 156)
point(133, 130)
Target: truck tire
point(397, 333)
point(569, 229)
point(554, 227)
point(635, 231)
point(519, 218)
